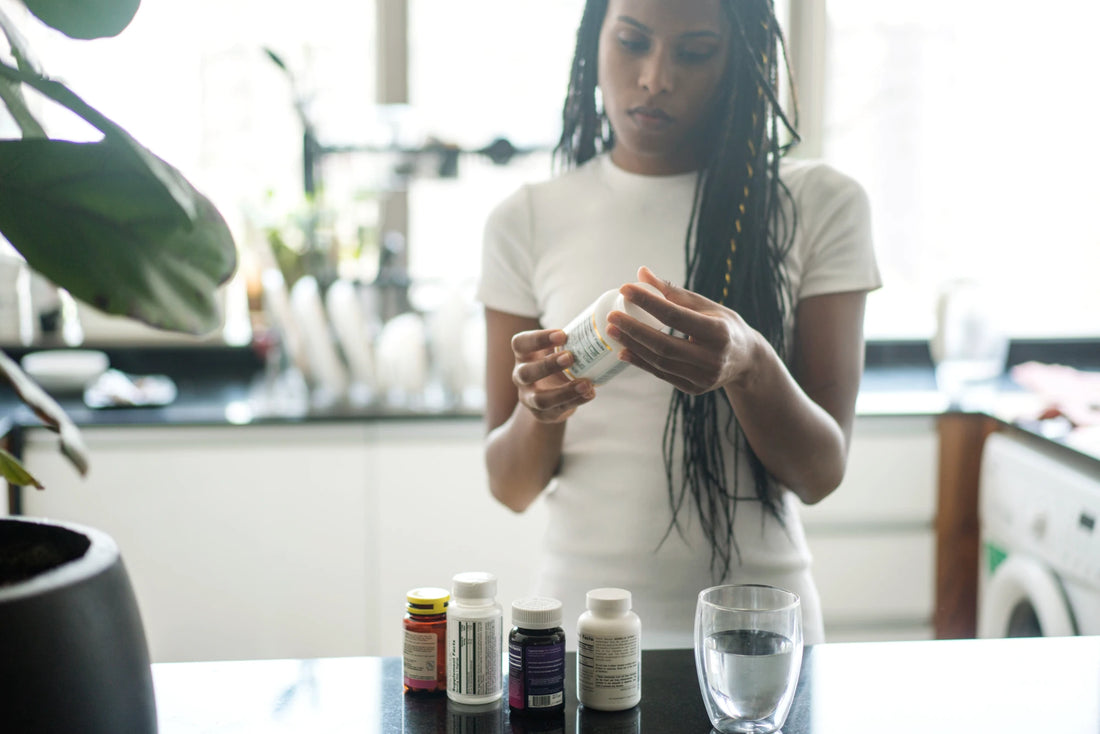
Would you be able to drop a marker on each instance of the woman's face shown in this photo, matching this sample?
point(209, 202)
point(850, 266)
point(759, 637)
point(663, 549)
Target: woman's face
point(660, 65)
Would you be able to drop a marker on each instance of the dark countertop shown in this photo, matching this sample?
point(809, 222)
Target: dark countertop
point(222, 386)
point(1003, 686)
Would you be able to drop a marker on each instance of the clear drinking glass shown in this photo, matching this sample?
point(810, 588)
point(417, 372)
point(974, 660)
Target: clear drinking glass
point(748, 652)
point(969, 347)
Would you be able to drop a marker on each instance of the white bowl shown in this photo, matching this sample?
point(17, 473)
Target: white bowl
point(65, 370)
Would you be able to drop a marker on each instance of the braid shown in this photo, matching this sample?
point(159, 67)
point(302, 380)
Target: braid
point(734, 257)
point(737, 238)
point(583, 134)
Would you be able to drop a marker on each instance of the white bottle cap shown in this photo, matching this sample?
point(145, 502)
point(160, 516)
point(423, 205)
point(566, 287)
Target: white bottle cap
point(536, 613)
point(608, 601)
point(474, 585)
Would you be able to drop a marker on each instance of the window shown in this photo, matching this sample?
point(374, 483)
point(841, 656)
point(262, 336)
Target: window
point(497, 68)
point(969, 126)
point(192, 82)
point(967, 123)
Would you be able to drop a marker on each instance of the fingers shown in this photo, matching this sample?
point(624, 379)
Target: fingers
point(557, 403)
point(541, 385)
point(671, 292)
point(678, 361)
point(688, 364)
point(680, 382)
point(528, 373)
point(652, 344)
point(677, 307)
point(539, 340)
point(536, 358)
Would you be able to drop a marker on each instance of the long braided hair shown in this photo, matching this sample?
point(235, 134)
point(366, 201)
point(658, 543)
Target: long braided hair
point(736, 240)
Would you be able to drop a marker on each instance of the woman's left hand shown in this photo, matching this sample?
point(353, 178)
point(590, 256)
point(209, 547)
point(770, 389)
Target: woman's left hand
point(718, 348)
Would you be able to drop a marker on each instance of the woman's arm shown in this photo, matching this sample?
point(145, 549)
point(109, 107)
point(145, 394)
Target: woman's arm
point(528, 400)
point(799, 421)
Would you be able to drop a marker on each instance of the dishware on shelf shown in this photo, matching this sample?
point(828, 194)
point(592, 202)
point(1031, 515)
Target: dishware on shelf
point(328, 375)
point(748, 653)
point(402, 359)
point(353, 334)
point(64, 371)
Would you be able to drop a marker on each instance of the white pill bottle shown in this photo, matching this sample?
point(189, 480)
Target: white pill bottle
point(609, 652)
point(475, 653)
point(595, 354)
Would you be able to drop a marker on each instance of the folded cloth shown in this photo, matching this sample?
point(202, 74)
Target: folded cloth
point(1066, 391)
point(115, 389)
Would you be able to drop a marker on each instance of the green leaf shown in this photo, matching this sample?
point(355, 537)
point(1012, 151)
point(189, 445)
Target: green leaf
point(85, 19)
point(15, 472)
point(47, 409)
point(94, 220)
point(172, 180)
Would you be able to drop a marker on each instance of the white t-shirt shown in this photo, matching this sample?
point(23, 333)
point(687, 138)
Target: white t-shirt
point(553, 247)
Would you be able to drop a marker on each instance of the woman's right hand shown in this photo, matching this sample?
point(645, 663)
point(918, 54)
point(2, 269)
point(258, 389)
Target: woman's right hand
point(539, 377)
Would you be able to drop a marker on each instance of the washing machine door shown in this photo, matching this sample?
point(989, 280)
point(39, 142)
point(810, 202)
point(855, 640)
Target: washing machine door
point(1024, 599)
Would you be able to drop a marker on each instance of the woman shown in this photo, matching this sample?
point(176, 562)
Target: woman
point(688, 470)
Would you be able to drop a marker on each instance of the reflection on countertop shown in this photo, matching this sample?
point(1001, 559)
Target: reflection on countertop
point(1048, 684)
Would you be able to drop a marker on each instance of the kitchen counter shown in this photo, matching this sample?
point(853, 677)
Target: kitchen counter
point(1003, 686)
point(223, 385)
point(229, 386)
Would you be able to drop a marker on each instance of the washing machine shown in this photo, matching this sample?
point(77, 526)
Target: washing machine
point(1040, 554)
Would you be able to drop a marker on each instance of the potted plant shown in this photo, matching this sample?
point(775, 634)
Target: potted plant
point(125, 232)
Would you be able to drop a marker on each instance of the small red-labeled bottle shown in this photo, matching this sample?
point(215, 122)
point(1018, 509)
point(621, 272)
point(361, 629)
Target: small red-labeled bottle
point(425, 647)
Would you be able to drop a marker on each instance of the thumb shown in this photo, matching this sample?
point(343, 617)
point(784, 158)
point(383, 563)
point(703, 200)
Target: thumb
point(672, 293)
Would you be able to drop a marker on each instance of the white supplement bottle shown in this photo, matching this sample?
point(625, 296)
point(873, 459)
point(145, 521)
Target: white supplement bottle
point(609, 652)
point(595, 354)
point(475, 632)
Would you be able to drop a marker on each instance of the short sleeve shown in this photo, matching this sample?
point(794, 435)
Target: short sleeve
point(836, 215)
point(507, 258)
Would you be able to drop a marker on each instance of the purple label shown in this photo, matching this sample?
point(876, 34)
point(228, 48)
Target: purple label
point(536, 676)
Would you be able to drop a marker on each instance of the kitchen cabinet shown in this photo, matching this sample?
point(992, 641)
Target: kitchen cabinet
point(438, 519)
point(873, 539)
point(240, 541)
point(277, 541)
point(287, 541)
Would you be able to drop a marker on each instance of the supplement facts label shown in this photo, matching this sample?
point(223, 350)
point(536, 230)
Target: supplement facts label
point(536, 676)
point(608, 664)
point(419, 655)
point(474, 657)
point(586, 343)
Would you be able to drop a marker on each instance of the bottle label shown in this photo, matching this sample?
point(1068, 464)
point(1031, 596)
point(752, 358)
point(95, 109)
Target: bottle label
point(419, 656)
point(609, 666)
point(474, 656)
point(587, 345)
point(536, 676)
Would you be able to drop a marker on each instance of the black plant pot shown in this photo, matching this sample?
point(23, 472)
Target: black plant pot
point(73, 656)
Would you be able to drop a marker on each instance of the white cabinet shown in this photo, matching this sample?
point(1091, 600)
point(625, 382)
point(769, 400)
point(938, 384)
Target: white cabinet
point(288, 541)
point(241, 542)
point(873, 539)
point(437, 518)
point(301, 540)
